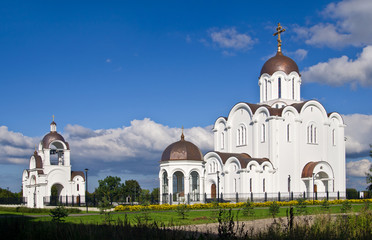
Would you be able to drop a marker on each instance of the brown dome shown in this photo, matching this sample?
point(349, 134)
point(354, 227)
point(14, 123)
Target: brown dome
point(182, 150)
point(279, 63)
point(53, 136)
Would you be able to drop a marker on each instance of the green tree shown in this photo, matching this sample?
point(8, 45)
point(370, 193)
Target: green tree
point(369, 174)
point(109, 188)
point(351, 193)
point(132, 189)
point(274, 209)
point(155, 195)
point(145, 196)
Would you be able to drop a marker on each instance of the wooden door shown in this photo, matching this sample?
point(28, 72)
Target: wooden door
point(213, 191)
point(315, 188)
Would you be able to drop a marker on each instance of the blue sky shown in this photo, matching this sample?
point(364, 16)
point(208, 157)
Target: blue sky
point(122, 77)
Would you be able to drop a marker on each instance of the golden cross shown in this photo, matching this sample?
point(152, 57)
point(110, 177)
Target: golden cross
point(53, 118)
point(182, 136)
point(279, 30)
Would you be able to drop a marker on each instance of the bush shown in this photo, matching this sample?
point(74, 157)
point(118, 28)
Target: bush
point(274, 209)
point(346, 206)
point(182, 210)
point(58, 214)
point(301, 207)
point(248, 209)
point(325, 205)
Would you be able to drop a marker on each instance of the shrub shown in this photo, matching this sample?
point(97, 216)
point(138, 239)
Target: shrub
point(58, 214)
point(325, 205)
point(301, 207)
point(346, 206)
point(274, 209)
point(248, 209)
point(182, 210)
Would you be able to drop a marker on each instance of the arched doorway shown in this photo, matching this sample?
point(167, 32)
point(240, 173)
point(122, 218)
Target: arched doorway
point(178, 187)
point(213, 191)
point(165, 187)
point(55, 194)
point(56, 153)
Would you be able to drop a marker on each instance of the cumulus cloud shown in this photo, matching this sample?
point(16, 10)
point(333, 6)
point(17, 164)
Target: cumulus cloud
point(358, 134)
point(230, 38)
point(358, 168)
point(342, 70)
point(299, 54)
point(15, 147)
point(347, 25)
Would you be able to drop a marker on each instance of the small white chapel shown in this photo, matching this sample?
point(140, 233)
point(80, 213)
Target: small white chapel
point(50, 166)
point(281, 146)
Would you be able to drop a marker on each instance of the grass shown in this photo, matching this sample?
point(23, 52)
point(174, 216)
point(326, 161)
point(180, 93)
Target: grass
point(193, 217)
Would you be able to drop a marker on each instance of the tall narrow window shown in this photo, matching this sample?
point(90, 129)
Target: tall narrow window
point(312, 134)
point(263, 132)
point(314, 138)
point(263, 185)
point(334, 137)
point(250, 184)
point(280, 87)
point(266, 89)
point(288, 132)
point(222, 140)
point(244, 135)
point(77, 187)
point(293, 96)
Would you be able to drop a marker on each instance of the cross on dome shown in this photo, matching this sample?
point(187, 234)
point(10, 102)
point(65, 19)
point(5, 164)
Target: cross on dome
point(279, 30)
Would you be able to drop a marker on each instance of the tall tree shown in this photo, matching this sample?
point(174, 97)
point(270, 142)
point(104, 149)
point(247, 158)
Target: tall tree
point(133, 190)
point(369, 174)
point(110, 187)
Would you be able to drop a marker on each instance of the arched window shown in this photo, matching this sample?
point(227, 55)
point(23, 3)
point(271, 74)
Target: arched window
point(263, 133)
point(265, 97)
point(289, 133)
point(165, 182)
point(279, 87)
point(241, 136)
point(194, 186)
point(334, 137)
point(250, 184)
point(77, 187)
point(312, 134)
point(222, 140)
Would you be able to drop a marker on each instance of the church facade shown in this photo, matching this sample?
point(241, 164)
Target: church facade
point(50, 170)
point(281, 145)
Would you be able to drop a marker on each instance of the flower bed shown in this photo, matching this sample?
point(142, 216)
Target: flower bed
point(136, 208)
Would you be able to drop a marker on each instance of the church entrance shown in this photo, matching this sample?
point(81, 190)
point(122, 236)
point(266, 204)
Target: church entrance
point(213, 191)
point(55, 194)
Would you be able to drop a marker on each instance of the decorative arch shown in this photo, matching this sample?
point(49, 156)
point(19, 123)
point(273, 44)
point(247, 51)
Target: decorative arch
point(238, 106)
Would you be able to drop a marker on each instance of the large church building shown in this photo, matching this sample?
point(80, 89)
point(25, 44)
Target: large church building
point(281, 146)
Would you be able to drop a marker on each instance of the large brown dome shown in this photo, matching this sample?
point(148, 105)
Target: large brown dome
point(279, 63)
point(182, 150)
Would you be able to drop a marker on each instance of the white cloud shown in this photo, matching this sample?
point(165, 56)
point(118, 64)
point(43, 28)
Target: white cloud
point(15, 147)
point(108, 60)
point(358, 133)
point(358, 168)
point(299, 54)
point(348, 25)
point(230, 38)
point(342, 70)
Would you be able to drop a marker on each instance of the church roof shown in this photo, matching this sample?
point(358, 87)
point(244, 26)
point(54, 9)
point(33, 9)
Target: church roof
point(182, 150)
point(38, 160)
point(77, 173)
point(279, 63)
point(51, 137)
point(243, 158)
point(308, 169)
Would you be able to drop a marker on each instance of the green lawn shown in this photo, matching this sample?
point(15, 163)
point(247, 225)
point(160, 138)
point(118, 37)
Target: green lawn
point(193, 217)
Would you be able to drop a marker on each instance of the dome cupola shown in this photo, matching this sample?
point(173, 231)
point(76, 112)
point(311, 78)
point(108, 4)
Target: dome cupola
point(182, 150)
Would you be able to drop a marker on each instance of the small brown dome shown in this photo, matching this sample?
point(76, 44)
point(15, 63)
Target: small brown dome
point(279, 63)
point(182, 150)
point(53, 136)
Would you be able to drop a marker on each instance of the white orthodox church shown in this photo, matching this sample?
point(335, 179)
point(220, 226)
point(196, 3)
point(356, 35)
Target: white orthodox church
point(281, 146)
point(50, 166)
